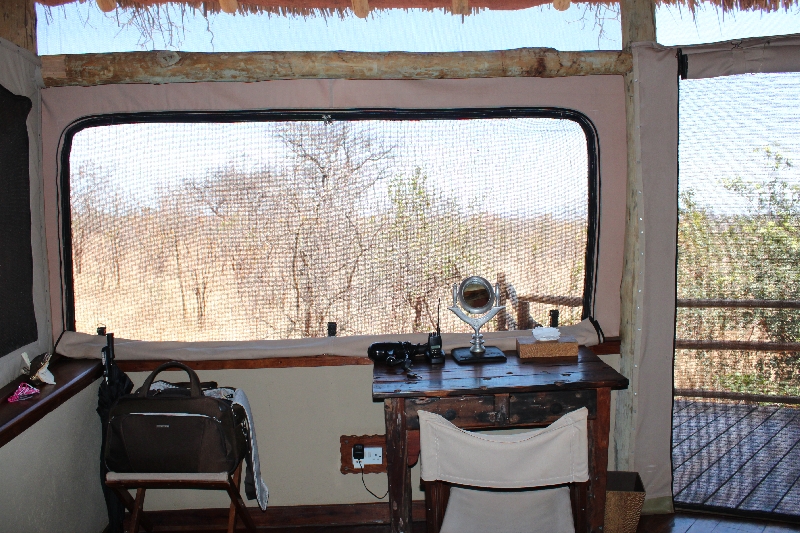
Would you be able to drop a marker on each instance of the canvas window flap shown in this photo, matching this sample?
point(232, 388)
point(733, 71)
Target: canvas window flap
point(766, 54)
point(85, 346)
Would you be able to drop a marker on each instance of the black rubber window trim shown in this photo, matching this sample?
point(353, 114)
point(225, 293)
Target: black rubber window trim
point(321, 115)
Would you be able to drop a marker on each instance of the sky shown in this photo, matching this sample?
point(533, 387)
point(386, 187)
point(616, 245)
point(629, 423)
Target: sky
point(722, 120)
point(62, 30)
point(516, 167)
point(393, 30)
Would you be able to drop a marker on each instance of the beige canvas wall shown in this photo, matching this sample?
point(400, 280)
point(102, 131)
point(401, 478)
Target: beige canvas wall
point(600, 98)
point(51, 472)
point(300, 414)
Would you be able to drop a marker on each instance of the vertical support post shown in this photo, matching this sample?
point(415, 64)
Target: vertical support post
point(437, 494)
point(397, 465)
point(598, 460)
point(18, 23)
point(502, 324)
point(638, 18)
point(638, 25)
point(632, 264)
point(237, 479)
point(523, 312)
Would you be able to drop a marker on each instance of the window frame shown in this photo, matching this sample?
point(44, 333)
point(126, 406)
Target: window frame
point(320, 115)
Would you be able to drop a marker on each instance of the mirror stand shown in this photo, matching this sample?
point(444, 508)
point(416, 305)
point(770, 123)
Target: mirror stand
point(476, 296)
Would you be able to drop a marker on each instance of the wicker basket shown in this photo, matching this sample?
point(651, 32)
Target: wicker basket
point(624, 499)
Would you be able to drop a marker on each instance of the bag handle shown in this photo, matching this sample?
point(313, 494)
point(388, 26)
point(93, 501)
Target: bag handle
point(194, 381)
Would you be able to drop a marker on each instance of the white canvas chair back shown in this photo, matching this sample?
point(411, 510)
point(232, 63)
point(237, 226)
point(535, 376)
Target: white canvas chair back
point(555, 455)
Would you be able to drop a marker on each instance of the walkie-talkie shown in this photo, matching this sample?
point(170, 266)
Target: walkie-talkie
point(434, 353)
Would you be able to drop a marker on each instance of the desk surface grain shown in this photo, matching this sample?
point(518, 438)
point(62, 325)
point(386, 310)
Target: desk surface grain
point(452, 379)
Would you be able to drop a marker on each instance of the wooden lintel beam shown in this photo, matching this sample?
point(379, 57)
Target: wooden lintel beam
point(181, 67)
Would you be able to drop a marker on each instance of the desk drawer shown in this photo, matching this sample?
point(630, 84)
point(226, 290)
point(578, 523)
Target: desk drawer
point(547, 407)
point(463, 411)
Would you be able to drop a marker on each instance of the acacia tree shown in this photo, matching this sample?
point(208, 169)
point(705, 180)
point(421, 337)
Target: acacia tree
point(324, 211)
point(427, 252)
point(751, 253)
point(240, 204)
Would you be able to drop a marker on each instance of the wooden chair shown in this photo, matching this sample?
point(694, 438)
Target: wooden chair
point(473, 481)
point(231, 483)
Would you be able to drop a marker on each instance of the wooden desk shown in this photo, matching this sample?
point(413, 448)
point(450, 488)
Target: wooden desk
point(496, 395)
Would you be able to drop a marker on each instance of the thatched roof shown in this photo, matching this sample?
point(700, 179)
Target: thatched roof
point(363, 7)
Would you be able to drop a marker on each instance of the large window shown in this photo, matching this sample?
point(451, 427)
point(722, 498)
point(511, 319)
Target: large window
point(269, 226)
point(736, 434)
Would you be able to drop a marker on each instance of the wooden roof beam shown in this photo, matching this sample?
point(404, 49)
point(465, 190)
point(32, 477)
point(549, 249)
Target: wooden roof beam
point(177, 67)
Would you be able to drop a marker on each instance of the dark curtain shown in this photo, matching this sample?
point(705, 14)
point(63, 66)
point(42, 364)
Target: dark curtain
point(16, 260)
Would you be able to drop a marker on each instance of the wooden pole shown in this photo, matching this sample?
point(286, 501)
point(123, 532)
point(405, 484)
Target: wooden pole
point(18, 23)
point(638, 24)
point(638, 19)
point(176, 67)
point(398, 471)
point(502, 323)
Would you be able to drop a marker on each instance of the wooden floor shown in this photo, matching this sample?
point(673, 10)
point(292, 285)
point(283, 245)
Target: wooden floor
point(736, 456)
point(706, 523)
point(677, 523)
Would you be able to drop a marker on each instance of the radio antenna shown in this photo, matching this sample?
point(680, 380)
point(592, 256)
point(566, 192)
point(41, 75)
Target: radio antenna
point(438, 317)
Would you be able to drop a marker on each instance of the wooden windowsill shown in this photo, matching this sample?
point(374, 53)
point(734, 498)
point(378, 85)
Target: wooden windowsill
point(611, 346)
point(72, 376)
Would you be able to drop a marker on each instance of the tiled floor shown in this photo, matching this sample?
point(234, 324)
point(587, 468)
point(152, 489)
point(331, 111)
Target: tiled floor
point(736, 456)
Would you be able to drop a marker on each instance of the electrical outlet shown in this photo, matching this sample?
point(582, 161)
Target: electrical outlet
point(373, 455)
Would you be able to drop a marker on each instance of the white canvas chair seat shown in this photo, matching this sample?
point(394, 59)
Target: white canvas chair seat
point(521, 511)
point(555, 455)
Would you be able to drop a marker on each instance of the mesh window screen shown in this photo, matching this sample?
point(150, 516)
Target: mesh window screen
point(270, 229)
point(736, 426)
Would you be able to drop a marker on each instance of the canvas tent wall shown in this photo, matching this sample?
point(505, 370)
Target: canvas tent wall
point(55, 448)
point(648, 318)
point(20, 74)
point(324, 419)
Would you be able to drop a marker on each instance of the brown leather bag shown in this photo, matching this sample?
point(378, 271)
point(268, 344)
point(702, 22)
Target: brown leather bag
point(175, 430)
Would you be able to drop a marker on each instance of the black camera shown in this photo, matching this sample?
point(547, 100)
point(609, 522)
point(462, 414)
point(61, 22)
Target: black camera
point(394, 353)
point(403, 353)
point(397, 353)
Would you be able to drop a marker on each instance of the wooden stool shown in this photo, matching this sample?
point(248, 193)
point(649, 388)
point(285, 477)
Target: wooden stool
point(121, 482)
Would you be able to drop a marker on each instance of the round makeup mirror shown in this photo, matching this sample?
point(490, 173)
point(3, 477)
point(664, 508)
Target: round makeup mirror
point(476, 295)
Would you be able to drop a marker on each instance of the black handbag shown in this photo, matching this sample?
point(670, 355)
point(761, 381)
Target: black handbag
point(176, 429)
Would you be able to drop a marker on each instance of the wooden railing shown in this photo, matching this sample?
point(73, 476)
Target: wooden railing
point(760, 346)
point(566, 301)
point(739, 396)
point(524, 307)
point(729, 304)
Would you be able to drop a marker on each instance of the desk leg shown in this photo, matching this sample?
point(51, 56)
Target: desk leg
point(397, 465)
point(598, 461)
